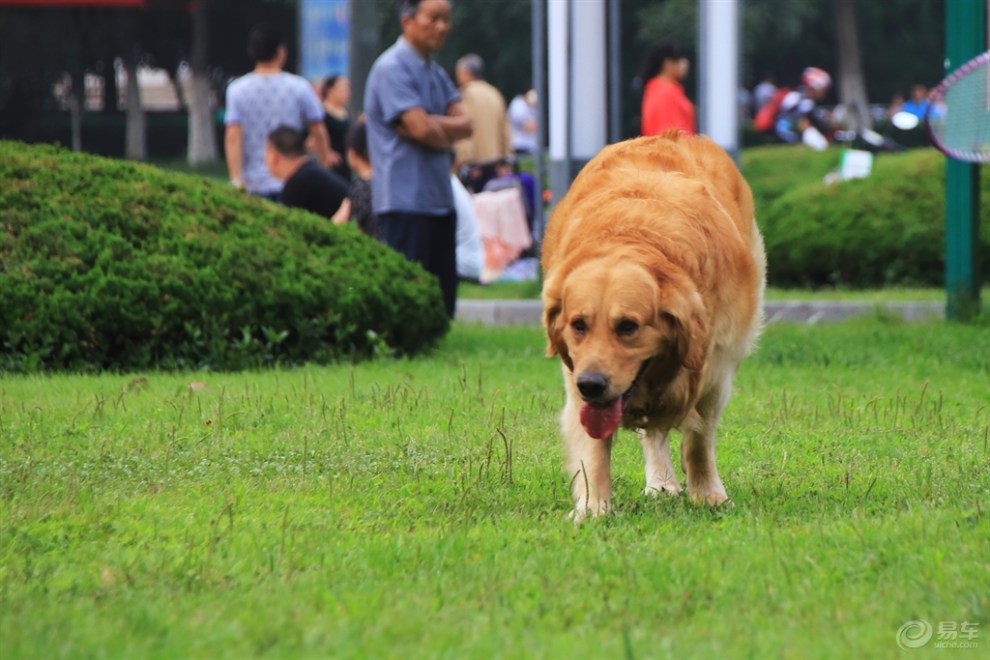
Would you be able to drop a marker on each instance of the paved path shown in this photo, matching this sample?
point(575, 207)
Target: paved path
point(527, 312)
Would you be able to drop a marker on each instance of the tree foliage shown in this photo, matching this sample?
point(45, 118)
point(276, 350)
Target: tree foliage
point(901, 40)
point(38, 47)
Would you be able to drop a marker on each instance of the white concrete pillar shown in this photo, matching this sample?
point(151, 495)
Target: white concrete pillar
point(577, 86)
point(718, 72)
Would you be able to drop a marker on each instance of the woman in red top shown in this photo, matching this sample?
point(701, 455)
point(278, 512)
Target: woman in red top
point(664, 103)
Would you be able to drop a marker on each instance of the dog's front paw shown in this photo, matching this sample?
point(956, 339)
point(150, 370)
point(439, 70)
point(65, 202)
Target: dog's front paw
point(582, 509)
point(671, 487)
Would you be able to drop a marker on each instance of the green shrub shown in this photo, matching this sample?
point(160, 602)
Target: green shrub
point(774, 170)
point(116, 265)
point(888, 229)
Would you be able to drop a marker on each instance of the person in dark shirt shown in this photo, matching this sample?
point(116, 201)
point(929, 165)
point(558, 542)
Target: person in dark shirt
point(335, 92)
point(307, 185)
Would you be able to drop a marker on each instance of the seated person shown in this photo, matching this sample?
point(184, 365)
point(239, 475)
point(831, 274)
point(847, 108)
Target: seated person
point(800, 110)
point(507, 175)
point(917, 105)
point(307, 185)
point(474, 176)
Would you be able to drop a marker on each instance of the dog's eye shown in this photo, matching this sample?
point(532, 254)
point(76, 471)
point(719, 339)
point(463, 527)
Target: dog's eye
point(579, 326)
point(626, 327)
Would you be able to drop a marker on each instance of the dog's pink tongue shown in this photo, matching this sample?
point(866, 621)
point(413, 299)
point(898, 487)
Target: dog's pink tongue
point(600, 421)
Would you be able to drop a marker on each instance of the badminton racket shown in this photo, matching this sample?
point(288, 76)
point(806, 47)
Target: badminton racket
point(958, 113)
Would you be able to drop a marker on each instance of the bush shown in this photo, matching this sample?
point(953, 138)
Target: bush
point(888, 229)
point(116, 265)
point(772, 171)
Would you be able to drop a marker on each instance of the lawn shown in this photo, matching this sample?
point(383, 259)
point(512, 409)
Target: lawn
point(418, 509)
point(217, 170)
point(531, 291)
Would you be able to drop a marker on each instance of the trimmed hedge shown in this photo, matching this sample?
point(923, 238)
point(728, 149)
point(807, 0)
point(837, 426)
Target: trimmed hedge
point(888, 229)
point(117, 265)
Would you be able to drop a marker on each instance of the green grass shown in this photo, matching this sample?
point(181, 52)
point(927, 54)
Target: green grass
point(500, 290)
point(888, 294)
point(531, 291)
point(892, 294)
point(217, 170)
point(418, 509)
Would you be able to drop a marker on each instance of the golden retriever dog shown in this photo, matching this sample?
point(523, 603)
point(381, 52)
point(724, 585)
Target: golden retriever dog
point(654, 273)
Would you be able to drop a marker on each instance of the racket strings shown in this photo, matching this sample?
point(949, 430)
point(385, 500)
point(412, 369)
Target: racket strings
point(959, 118)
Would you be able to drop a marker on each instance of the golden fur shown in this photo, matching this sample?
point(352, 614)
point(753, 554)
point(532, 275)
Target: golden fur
point(654, 274)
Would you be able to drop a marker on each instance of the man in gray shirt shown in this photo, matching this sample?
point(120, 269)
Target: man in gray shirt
point(261, 101)
point(414, 117)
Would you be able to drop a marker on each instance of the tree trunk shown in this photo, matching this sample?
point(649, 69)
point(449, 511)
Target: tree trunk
point(202, 147)
point(77, 104)
point(135, 146)
point(363, 48)
point(75, 121)
point(180, 92)
point(110, 92)
point(852, 83)
point(76, 101)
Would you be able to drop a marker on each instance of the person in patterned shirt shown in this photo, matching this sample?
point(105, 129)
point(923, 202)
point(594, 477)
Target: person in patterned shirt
point(261, 101)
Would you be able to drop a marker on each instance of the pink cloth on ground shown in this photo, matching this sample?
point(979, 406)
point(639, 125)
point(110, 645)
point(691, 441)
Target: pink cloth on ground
point(504, 231)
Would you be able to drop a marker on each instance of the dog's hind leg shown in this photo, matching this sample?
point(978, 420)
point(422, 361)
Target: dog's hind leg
point(660, 475)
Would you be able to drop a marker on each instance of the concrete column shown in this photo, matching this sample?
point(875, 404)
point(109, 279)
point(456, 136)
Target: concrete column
point(718, 72)
point(364, 48)
point(578, 90)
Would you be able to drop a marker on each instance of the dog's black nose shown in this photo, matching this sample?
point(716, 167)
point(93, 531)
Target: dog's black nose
point(592, 384)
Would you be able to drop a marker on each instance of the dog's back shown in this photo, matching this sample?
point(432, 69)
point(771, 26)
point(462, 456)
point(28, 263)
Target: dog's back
point(664, 176)
point(637, 168)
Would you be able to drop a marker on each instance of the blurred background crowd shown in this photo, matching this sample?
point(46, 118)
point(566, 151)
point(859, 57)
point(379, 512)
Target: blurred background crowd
point(69, 74)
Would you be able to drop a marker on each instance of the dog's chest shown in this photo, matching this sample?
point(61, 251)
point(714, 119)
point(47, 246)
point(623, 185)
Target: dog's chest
point(657, 413)
point(659, 405)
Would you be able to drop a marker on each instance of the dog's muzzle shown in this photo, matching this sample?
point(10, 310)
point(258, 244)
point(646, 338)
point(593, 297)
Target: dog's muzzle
point(594, 384)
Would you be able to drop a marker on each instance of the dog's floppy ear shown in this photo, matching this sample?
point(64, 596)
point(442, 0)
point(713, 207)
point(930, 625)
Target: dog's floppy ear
point(554, 325)
point(684, 315)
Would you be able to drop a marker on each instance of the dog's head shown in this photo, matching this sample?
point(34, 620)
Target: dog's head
point(608, 319)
